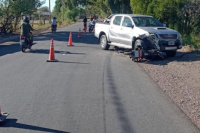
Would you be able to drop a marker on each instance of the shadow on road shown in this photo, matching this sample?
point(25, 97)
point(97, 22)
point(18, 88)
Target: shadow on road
point(46, 51)
point(9, 49)
point(13, 123)
point(87, 38)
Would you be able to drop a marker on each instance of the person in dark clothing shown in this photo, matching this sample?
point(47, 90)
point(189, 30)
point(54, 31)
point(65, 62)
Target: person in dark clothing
point(85, 21)
point(25, 30)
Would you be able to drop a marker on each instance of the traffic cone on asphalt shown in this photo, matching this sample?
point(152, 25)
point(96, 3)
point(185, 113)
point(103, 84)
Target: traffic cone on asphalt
point(3, 115)
point(51, 53)
point(70, 40)
point(79, 34)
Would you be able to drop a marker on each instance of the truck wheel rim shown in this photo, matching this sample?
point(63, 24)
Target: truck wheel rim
point(103, 41)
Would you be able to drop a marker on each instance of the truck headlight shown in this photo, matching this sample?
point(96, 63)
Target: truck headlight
point(154, 35)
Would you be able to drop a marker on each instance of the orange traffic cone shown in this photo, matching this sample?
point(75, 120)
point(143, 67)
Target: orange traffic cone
point(51, 53)
point(70, 40)
point(79, 34)
point(3, 115)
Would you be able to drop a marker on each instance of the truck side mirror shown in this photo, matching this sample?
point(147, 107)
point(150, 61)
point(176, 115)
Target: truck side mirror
point(129, 25)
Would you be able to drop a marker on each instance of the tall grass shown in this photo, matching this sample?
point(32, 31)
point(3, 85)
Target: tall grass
point(41, 26)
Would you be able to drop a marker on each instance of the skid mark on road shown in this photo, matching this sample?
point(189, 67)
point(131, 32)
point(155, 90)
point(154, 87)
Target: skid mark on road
point(126, 125)
point(103, 97)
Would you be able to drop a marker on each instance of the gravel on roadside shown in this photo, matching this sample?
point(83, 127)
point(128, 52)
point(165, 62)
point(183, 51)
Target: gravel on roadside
point(179, 78)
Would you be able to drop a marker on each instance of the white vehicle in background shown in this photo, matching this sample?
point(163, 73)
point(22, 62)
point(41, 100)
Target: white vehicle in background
point(128, 31)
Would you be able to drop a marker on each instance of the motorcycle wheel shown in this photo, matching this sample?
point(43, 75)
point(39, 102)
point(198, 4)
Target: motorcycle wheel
point(23, 48)
point(90, 29)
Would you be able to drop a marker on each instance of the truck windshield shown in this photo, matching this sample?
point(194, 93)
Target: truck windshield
point(147, 22)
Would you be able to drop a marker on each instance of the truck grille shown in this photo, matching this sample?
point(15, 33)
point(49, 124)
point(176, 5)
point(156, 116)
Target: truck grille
point(168, 36)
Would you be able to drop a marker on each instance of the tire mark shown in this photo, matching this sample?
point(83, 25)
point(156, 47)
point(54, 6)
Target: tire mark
point(103, 97)
point(126, 125)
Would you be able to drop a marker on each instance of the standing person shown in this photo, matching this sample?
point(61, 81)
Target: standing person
point(85, 23)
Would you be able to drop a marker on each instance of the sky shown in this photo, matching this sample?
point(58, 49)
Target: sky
point(52, 4)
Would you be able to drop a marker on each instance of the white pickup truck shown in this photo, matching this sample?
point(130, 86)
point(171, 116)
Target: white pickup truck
point(128, 31)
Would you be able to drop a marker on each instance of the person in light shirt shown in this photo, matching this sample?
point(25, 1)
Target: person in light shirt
point(54, 22)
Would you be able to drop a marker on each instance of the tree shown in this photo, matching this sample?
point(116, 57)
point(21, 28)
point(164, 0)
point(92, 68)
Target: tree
point(119, 6)
point(191, 17)
point(140, 6)
point(11, 11)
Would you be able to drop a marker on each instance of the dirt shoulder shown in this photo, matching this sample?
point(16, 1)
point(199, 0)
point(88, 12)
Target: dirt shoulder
point(179, 77)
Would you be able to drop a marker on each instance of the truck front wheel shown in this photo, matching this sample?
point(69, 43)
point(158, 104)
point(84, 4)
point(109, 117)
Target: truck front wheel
point(170, 53)
point(103, 42)
point(140, 42)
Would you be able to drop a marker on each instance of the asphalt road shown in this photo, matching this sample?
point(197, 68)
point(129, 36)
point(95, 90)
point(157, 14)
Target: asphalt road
point(87, 91)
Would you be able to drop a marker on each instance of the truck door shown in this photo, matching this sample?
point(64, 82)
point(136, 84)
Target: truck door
point(126, 31)
point(114, 29)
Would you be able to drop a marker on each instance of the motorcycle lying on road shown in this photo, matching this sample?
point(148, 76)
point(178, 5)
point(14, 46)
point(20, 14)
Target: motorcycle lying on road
point(26, 43)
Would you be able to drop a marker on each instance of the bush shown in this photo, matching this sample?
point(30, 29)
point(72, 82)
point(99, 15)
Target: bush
point(192, 40)
point(59, 22)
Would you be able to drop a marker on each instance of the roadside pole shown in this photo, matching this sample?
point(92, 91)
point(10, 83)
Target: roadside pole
point(49, 11)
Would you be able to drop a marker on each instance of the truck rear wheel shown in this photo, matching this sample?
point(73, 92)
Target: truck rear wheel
point(170, 53)
point(103, 42)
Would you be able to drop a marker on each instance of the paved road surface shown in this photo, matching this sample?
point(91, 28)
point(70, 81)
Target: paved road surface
point(88, 91)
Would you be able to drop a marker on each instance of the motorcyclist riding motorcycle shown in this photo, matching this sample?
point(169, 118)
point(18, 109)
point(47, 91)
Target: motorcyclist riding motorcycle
point(25, 31)
point(92, 25)
point(53, 24)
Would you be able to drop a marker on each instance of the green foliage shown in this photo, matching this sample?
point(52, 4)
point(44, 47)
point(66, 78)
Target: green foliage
point(25, 7)
point(91, 7)
point(119, 6)
point(11, 11)
point(140, 6)
point(71, 14)
point(181, 15)
point(192, 40)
